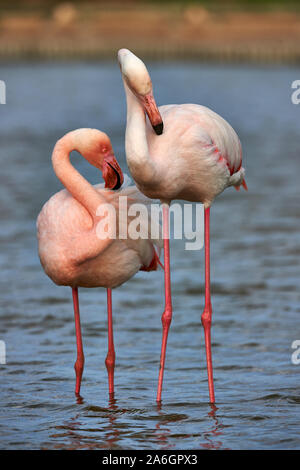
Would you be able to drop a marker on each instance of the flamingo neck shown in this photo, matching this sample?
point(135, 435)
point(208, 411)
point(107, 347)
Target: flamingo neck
point(72, 180)
point(137, 150)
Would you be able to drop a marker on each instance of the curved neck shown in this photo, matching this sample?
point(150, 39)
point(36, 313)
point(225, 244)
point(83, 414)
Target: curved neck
point(73, 181)
point(136, 145)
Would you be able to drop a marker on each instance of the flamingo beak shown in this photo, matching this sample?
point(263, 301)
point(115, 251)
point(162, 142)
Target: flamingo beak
point(112, 173)
point(153, 113)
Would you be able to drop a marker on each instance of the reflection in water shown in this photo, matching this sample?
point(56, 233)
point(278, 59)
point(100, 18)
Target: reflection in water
point(79, 399)
point(113, 433)
point(214, 432)
point(78, 433)
point(162, 433)
point(74, 436)
point(74, 439)
point(108, 436)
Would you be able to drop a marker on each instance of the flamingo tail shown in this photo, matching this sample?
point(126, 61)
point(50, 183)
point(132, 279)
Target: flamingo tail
point(244, 184)
point(154, 263)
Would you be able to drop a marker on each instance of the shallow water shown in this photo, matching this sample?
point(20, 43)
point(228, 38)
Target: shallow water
point(255, 275)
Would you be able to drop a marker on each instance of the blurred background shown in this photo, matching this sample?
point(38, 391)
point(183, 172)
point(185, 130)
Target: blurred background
point(239, 58)
point(239, 30)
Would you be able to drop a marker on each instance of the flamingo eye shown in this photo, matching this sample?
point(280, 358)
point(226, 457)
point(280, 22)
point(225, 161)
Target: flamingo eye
point(103, 149)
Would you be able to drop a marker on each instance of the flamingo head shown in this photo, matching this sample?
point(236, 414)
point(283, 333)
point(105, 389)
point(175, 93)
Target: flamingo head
point(111, 172)
point(96, 148)
point(137, 78)
point(108, 164)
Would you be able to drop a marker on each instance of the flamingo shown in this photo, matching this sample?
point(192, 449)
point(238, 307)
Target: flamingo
point(70, 251)
point(196, 156)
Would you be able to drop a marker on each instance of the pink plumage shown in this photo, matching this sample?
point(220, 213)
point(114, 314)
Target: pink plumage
point(70, 250)
point(198, 155)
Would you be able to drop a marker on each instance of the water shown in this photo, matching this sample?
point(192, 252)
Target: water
point(255, 274)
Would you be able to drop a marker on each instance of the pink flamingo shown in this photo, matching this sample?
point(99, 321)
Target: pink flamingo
point(70, 251)
point(197, 156)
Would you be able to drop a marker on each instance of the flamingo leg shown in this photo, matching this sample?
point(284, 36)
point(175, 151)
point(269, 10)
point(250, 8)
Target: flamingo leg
point(207, 313)
point(167, 315)
point(110, 358)
point(78, 366)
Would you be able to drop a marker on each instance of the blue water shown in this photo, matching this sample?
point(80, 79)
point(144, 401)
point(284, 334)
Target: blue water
point(255, 276)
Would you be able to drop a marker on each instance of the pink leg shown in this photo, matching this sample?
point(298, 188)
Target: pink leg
point(80, 356)
point(110, 358)
point(167, 315)
point(207, 313)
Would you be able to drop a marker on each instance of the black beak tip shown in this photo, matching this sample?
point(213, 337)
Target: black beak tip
point(158, 129)
point(118, 183)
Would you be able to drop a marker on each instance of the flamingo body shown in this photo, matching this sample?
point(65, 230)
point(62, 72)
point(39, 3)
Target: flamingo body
point(72, 254)
point(195, 159)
